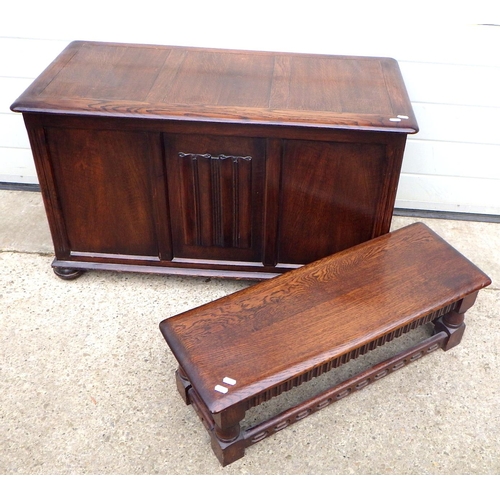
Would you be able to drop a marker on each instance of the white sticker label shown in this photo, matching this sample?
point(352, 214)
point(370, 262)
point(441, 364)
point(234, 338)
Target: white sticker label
point(220, 388)
point(229, 381)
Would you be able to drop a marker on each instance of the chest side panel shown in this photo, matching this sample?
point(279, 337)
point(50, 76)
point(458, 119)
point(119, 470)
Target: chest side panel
point(104, 189)
point(330, 197)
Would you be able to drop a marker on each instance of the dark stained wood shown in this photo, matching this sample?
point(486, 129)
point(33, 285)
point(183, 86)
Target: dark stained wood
point(354, 176)
point(277, 334)
point(213, 162)
point(216, 199)
point(240, 86)
point(118, 215)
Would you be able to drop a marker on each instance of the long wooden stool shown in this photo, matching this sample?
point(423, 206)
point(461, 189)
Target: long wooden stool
point(243, 349)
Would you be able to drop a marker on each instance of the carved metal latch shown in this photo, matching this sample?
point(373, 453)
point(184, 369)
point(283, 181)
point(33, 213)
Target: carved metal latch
point(208, 156)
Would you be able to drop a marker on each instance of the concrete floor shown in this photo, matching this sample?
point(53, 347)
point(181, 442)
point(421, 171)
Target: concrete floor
point(87, 381)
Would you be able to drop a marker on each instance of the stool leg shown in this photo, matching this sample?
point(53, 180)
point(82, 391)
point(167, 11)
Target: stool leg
point(453, 322)
point(227, 442)
point(183, 384)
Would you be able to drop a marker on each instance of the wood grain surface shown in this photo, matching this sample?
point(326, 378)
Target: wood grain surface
point(235, 86)
point(273, 331)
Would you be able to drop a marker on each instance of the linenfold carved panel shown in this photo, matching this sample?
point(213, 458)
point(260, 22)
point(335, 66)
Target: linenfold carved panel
point(216, 191)
point(218, 197)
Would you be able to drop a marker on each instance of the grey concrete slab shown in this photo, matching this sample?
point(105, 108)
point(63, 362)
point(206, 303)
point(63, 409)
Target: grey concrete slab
point(23, 224)
point(87, 382)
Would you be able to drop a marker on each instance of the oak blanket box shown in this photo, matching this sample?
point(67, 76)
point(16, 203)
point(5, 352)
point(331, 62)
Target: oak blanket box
point(244, 349)
point(213, 162)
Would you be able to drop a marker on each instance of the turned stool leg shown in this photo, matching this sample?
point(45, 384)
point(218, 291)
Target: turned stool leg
point(226, 437)
point(453, 322)
point(183, 384)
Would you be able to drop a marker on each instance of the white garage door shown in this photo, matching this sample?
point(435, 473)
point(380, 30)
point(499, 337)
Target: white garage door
point(449, 56)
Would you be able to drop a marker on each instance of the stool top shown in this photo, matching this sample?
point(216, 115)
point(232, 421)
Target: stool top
point(255, 339)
